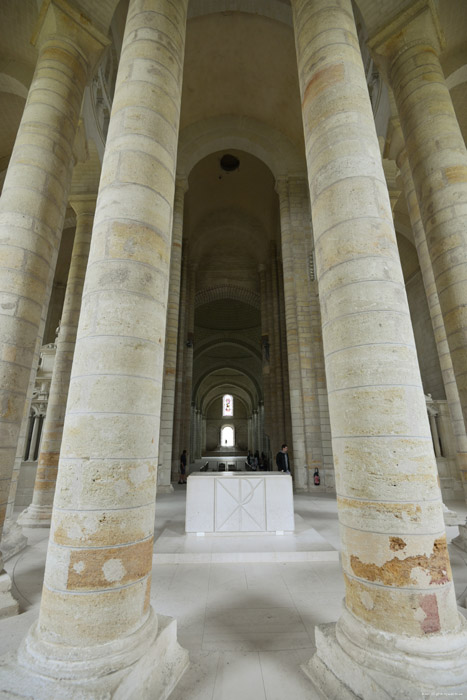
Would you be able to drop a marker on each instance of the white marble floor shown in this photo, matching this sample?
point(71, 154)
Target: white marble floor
point(248, 625)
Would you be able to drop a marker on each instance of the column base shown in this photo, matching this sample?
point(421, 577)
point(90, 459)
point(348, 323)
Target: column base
point(461, 540)
point(13, 540)
point(165, 488)
point(35, 516)
point(450, 516)
point(8, 605)
point(354, 661)
point(125, 671)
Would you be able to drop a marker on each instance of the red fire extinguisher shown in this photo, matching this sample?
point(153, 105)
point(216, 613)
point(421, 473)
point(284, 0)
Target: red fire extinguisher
point(316, 477)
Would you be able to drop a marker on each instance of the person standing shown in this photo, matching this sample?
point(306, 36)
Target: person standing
point(282, 460)
point(182, 479)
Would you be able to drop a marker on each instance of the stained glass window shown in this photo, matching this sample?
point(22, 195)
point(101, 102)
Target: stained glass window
point(227, 405)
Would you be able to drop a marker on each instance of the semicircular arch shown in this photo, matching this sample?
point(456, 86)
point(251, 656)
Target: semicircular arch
point(242, 133)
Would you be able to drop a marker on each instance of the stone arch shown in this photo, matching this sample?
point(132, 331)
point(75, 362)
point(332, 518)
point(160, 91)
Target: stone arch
point(222, 339)
point(214, 393)
point(216, 367)
point(228, 291)
point(273, 9)
point(269, 145)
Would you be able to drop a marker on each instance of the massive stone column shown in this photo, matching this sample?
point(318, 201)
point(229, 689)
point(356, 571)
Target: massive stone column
point(300, 464)
point(39, 513)
point(171, 337)
point(449, 380)
point(266, 333)
point(285, 393)
point(408, 50)
point(295, 224)
point(179, 387)
point(97, 633)
point(277, 384)
point(400, 631)
point(32, 210)
point(13, 540)
point(185, 436)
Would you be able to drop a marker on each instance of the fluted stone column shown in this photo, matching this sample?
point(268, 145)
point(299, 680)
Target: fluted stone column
point(400, 627)
point(39, 513)
point(32, 209)
point(408, 52)
point(171, 337)
point(96, 627)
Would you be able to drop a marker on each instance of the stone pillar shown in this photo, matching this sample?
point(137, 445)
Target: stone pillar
point(400, 631)
point(196, 423)
point(13, 539)
point(434, 431)
point(200, 435)
point(32, 209)
point(255, 430)
point(309, 351)
point(300, 466)
point(261, 427)
point(171, 336)
point(285, 385)
point(407, 51)
point(39, 513)
point(265, 343)
point(444, 355)
point(277, 383)
point(34, 433)
point(96, 629)
point(192, 448)
point(179, 383)
point(188, 363)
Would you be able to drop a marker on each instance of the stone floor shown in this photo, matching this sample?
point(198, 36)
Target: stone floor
point(246, 607)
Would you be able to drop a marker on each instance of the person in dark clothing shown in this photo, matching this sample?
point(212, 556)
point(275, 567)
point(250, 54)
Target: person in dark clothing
point(282, 460)
point(182, 479)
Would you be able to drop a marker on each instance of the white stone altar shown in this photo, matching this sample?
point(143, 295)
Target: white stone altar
point(239, 502)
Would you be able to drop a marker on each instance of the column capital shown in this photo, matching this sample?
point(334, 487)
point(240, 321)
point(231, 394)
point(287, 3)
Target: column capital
point(281, 185)
point(181, 183)
point(58, 19)
point(83, 203)
point(416, 24)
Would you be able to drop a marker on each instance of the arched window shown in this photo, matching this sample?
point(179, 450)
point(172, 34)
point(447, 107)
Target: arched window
point(227, 406)
point(227, 436)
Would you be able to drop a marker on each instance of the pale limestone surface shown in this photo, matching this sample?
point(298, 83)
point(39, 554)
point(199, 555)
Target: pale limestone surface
point(232, 73)
point(386, 467)
point(233, 502)
point(164, 472)
point(98, 569)
point(408, 50)
point(39, 513)
point(450, 385)
point(258, 656)
point(32, 209)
